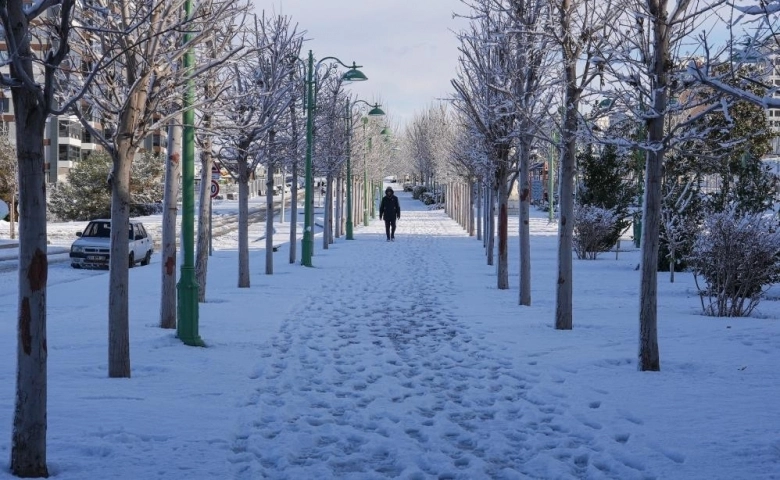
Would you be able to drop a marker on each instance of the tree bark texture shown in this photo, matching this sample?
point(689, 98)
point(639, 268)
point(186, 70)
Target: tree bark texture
point(243, 223)
point(203, 247)
point(524, 188)
point(491, 226)
point(168, 240)
point(119, 261)
point(269, 223)
point(649, 357)
point(294, 212)
point(502, 278)
point(28, 449)
point(563, 304)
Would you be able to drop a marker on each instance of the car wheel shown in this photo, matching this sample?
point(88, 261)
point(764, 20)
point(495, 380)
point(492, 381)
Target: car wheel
point(147, 258)
point(75, 265)
point(132, 261)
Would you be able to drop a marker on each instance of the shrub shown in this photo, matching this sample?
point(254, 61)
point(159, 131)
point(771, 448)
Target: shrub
point(87, 195)
point(417, 191)
point(736, 257)
point(594, 230)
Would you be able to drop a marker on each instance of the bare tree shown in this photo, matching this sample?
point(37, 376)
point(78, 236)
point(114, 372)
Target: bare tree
point(168, 242)
point(128, 77)
point(260, 93)
point(484, 94)
point(36, 45)
point(528, 23)
point(583, 42)
point(643, 62)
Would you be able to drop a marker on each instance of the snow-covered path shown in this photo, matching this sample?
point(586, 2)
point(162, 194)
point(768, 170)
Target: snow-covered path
point(402, 360)
point(377, 375)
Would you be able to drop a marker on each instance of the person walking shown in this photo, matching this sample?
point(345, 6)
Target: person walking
point(390, 210)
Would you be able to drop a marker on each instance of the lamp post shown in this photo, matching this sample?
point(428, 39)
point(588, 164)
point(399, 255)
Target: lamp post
point(365, 175)
point(374, 112)
point(351, 75)
point(187, 288)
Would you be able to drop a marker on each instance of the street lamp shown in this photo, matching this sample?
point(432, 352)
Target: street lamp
point(374, 112)
point(352, 75)
point(187, 288)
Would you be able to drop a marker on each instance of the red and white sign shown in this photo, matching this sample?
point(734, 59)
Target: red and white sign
point(214, 188)
point(215, 173)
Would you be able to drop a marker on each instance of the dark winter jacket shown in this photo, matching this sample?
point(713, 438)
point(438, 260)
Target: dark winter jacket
point(389, 209)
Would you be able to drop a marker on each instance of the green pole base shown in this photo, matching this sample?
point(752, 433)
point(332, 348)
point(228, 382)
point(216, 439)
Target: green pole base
point(307, 249)
point(187, 325)
point(350, 230)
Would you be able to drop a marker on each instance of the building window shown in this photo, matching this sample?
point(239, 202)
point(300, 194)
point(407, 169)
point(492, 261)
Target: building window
point(69, 153)
point(5, 105)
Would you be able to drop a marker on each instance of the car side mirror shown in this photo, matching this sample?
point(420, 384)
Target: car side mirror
point(78, 234)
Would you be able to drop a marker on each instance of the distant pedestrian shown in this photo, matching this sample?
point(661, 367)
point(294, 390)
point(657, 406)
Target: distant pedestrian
point(390, 210)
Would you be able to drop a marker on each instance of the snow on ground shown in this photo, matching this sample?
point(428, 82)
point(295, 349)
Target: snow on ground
point(402, 360)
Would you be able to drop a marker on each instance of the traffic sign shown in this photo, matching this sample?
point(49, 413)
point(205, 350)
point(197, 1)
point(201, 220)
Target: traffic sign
point(215, 173)
point(214, 188)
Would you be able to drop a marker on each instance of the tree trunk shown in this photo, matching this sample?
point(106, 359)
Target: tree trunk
point(294, 213)
point(203, 249)
point(168, 240)
point(28, 449)
point(563, 305)
point(269, 222)
point(479, 218)
point(327, 215)
point(12, 215)
point(503, 228)
point(339, 203)
point(120, 261)
point(524, 188)
point(491, 226)
point(649, 357)
point(648, 309)
point(243, 223)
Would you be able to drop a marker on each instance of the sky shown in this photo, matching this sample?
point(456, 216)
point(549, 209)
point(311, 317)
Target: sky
point(407, 47)
point(399, 360)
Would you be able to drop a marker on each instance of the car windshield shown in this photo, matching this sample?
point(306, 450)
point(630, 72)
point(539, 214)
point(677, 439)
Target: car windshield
point(97, 229)
point(101, 230)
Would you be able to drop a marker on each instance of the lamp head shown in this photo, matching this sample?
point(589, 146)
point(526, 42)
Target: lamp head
point(354, 75)
point(376, 111)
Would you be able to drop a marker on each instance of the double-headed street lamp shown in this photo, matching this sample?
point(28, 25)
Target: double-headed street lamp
point(374, 112)
point(351, 75)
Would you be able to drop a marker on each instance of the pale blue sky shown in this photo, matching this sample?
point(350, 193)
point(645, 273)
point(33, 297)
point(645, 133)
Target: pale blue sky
point(407, 47)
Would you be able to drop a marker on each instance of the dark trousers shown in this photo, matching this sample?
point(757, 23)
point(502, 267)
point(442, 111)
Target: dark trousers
point(390, 228)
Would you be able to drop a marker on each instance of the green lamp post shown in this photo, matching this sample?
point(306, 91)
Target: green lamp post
point(351, 75)
point(374, 112)
point(187, 288)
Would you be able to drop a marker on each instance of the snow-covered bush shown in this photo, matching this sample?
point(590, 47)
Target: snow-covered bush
point(736, 258)
point(432, 198)
point(417, 191)
point(594, 228)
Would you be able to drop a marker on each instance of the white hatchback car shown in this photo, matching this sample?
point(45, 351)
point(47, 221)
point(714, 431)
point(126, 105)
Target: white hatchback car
point(93, 248)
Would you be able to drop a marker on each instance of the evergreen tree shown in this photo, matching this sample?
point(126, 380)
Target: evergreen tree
point(682, 209)
point(8, 172)
point(739, 143)
point(606, 184)
point(87, 194)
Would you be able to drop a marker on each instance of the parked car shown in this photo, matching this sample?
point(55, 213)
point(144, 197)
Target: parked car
point(93, 247)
